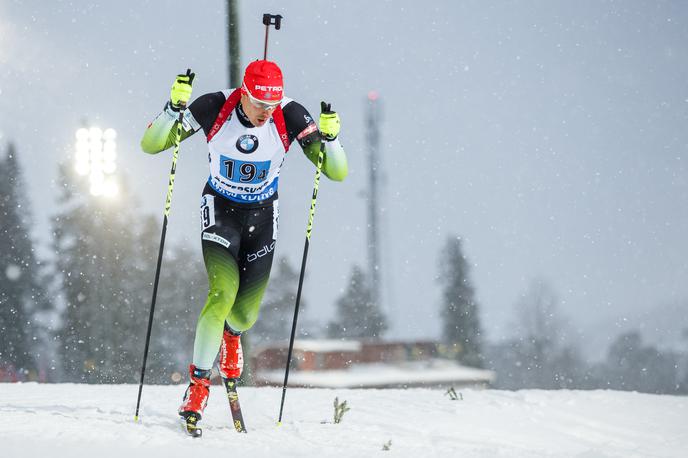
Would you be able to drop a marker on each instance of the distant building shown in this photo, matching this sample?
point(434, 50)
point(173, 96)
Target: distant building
point(363, 364)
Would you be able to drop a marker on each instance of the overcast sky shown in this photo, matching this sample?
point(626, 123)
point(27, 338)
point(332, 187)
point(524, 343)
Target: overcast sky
point(550, 135)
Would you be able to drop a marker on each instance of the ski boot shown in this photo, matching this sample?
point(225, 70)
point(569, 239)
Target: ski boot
point(231, 355)
point(195, 400)
point(231, 364)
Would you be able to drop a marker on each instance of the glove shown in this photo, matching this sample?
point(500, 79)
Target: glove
point(181, 90)
point(329, 122)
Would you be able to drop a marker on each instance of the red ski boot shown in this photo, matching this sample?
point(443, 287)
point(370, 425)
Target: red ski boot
point(195, 399)
point(231, 363)
point(231, 355)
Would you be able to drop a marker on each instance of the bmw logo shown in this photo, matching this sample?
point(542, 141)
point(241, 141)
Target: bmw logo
point(247, 144)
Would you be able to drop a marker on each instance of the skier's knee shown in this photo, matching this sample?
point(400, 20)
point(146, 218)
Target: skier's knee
point(219, 303)
point(242, 320)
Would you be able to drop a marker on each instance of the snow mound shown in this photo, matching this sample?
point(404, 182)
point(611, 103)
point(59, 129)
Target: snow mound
point(97, 420)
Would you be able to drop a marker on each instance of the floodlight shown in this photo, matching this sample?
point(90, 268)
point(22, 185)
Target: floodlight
point(109, 134)
point(96, 152)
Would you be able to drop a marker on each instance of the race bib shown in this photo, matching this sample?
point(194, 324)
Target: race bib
point(244, 172)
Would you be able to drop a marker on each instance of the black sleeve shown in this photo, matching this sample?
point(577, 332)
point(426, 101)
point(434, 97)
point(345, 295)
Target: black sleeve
point(300, 124)
point(206, 108)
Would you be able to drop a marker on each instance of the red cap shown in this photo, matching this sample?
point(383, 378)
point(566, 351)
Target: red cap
point(263, 81)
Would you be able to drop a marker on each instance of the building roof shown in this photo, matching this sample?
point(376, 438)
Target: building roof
point(432, 372)
point(317, 345)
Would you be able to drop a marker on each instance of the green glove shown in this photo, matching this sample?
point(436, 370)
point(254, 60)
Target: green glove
point(329, 122)
point(181, 90)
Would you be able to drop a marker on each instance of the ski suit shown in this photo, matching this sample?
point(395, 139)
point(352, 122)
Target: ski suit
point(239, 203)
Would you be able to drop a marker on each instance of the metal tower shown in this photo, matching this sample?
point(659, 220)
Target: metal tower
point(234, 61)
point(373, 140)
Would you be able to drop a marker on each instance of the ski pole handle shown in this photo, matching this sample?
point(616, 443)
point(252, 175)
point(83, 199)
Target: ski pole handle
point(272, 19)
point(268, 20)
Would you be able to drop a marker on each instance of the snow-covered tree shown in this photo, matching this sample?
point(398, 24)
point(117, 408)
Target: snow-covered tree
point(22, 294)
point(460, 310)
point(633, 365)
point(357, 316)
point(541, 352)
point(95, 245)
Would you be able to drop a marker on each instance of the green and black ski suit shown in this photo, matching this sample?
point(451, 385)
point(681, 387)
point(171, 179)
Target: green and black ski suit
point(239, 204)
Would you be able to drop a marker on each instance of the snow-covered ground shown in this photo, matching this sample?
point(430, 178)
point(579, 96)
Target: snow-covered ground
point(97, 421)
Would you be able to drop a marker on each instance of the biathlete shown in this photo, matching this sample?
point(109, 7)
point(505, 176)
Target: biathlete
point(248, 131)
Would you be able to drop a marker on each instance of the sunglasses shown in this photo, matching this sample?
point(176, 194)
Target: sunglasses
point(257, 103)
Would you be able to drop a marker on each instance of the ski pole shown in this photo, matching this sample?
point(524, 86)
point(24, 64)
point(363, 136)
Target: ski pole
point(168, 205)
point(309, 228)
point(268, 20)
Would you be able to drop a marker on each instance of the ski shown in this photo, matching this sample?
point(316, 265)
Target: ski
point(189, 426)
point(233, 397)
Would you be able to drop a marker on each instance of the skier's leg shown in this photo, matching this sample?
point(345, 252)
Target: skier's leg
point(249, 296)
point(223, 279)
point(243, 315)
point(255, 262)
point(220, 241)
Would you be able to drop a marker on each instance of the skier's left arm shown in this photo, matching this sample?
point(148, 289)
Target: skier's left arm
point(302, 127)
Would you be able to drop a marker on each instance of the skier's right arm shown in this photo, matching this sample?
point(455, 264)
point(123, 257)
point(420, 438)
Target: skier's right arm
point(161, 133)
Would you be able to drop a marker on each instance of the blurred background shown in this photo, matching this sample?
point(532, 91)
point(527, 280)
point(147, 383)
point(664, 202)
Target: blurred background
point(516, 204)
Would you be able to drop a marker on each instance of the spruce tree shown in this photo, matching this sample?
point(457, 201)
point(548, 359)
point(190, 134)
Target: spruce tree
point(21, 293)
point(357, 316)
point(71, 262)
point(460, 310)
point(541, 353)
point(633, 365)
point(95, 244)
